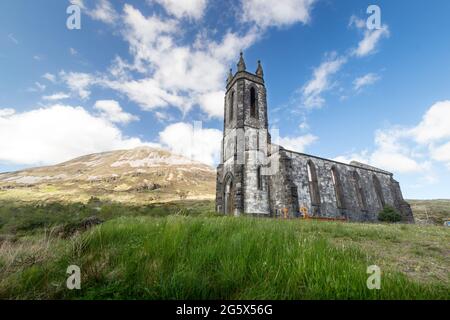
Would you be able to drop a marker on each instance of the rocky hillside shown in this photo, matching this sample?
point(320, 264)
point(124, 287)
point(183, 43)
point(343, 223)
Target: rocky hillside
point(139, 175)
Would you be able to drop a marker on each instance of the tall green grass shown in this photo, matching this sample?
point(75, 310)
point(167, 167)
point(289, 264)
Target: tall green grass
point(179, 257)
point(19, 219)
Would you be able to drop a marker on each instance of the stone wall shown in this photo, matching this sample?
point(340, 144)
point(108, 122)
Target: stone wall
point(352, 207)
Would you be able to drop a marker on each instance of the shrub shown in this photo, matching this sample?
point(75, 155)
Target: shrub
point(389, 214)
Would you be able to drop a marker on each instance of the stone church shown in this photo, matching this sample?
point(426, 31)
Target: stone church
point(256, 176)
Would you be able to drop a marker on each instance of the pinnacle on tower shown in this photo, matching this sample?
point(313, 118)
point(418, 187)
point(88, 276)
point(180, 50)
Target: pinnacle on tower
point(259, 70)
point(241, 64)
point(230, 76)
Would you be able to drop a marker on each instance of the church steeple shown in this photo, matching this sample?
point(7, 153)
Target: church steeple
point(241, 65)
point(245, 145)
point(230, 76)
point(259, 70)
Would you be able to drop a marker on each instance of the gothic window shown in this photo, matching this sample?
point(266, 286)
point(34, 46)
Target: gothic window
point(337, 187)
point(378, 190)
point(253, 102)
point(313, 184)
point(229, 195)
point(231, 106)
point(259, 178)
point(235, 147)
point(257, 140)
point(359, 191)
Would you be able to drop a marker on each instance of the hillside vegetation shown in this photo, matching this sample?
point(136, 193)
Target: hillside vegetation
point(139, 176)
point(431, 211)
point(183, 251)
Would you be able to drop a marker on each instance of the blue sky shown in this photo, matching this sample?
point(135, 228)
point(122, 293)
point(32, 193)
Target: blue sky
point(142, 72)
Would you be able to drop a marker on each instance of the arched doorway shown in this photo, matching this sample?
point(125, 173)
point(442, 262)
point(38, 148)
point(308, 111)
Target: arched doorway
point(229, 195)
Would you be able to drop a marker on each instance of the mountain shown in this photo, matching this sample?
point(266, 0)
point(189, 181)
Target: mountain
point(139, 175)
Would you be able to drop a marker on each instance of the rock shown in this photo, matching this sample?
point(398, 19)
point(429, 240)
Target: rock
point(70, 229)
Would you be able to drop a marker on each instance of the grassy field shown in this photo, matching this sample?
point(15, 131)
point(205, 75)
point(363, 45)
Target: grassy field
point(431, 211)
point(183, 251)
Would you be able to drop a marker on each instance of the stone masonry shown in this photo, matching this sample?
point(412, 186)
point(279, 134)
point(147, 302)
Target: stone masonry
point(258, 177)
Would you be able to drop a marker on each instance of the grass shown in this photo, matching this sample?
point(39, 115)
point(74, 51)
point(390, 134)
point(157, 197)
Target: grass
point(431, 211)
point(23, 218)
point(181, 251)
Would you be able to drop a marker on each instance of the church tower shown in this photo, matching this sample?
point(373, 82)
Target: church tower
point(241, 187)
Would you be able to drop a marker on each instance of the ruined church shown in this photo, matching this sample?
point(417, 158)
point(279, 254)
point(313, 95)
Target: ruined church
point(257, 176)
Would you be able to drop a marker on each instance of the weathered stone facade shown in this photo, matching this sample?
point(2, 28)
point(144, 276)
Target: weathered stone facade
point(258, 177)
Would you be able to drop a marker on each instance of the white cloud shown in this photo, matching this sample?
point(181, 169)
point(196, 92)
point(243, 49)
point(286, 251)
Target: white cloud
point(37, 87)
point(7, 112)
point(442, 153)
point(78, 83)
point(148, 94)
point(112, 111)
point(50, 77)
point(362, 157)
point(104, 12)
point(13, 39)
point(56, 96)
point(357, 22)
point(298, 144)
point(434, 131)
point(73, 52)
point(304, 125)
point(371, 38)
point(413, 149)
point(166, 71)
point(394, 153)
point(386, 160)
point(79, 3)
point(57, 133)
point(267, 13)
point(212, 103)
point(435, 124)
point(320, 82)
point(186, 8)
point(193, 142)
point(365, 80)
point(41, 87)
point(395, 161)
point(174, 75)
point(163, 116)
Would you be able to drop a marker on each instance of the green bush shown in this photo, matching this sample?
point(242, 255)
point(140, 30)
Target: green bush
point(389, 214)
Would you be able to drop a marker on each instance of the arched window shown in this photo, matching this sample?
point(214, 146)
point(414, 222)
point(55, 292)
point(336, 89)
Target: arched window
point(338, 188)
point(253, 102)
point(259, 178)
point(378, 190)
point(235, 147)
point(359, 191)
point(228, 195)
point(231, 107)
point(313, 184)
point(257, 140)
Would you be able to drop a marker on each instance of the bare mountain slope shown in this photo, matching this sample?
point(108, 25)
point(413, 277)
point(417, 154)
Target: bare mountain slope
point(139, 175)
